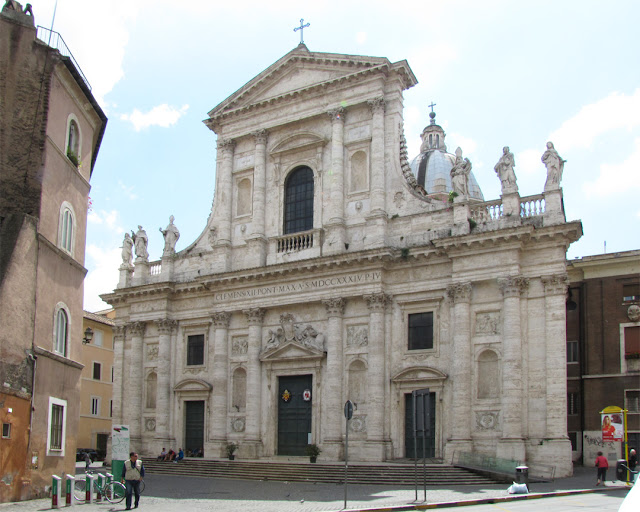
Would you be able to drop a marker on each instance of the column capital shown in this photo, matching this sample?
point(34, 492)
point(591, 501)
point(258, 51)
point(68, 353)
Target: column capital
point(377, 105)
point(260, 136)
point(136, 328)
point(118, 332)
point(459, 292)
point(226, 145)
point(335, 307)
point(377, 301)
point(221, 319)
point(513, 286)
point(337, 115)
point(254, 315)
point(555, 284)
point(165, 325)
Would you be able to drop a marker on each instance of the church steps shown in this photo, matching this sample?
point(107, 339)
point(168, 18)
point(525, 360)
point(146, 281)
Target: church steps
point(392, 474)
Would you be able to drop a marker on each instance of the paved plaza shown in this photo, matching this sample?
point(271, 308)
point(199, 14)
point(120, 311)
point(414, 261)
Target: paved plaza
point(166, 493)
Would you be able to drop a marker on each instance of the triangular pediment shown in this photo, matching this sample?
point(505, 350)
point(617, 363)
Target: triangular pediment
point(419, 373)
point(300, 70)
point(290, 350)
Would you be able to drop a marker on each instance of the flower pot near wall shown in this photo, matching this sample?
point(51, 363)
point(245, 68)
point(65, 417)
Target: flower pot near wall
point(232, 457)
point(313, 459)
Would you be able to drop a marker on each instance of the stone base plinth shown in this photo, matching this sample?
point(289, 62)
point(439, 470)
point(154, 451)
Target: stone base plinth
point(555, 453)
point(456, 445)
point(332, 450)
point(334, 238)
point(511, 449)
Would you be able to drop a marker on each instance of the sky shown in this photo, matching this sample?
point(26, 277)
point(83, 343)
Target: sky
point(516, 73)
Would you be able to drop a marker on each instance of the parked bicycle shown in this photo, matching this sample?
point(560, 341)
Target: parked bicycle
point(114, 492)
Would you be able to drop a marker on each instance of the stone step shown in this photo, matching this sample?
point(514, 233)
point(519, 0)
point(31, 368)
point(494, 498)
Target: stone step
point(387, 474)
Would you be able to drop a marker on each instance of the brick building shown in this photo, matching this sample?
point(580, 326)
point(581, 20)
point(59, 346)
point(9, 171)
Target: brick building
point(603, 350)
point(50, 132)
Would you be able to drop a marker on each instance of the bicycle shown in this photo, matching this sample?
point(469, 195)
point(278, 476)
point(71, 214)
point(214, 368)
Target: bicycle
point(114, 492)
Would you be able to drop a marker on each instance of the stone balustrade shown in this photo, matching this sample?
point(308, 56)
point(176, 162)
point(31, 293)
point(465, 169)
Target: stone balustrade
point(298, 241)
point(155, 268)
point(487, 211)
point(532, 206)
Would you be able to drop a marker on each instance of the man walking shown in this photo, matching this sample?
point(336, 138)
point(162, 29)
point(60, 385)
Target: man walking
point(132, 474)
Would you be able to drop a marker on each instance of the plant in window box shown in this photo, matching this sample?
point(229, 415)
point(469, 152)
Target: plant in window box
point(312, 450)
point(231, 449)
point(73, 157)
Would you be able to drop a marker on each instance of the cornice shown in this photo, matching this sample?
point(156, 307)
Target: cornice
point(60, 359)
point(59, 252)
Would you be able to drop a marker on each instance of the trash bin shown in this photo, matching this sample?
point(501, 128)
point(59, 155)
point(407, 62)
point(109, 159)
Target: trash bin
point(621, 471)
point(522, 475)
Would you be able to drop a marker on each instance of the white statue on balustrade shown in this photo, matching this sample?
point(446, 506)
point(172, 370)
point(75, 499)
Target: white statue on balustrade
point(171, 235)
point(555, 165)
point(127, 250)
point(141, 240)
point(460, 174)
point(504, 170)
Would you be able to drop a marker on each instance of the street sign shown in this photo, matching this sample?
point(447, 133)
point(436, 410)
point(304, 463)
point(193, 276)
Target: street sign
point(348, 409)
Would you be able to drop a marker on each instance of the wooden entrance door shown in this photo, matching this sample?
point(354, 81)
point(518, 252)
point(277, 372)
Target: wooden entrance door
point(408, 429)
point(194, 425)
point(294, 414)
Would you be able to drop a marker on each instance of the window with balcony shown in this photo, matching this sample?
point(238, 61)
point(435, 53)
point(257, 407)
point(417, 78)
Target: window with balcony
point(298, 201)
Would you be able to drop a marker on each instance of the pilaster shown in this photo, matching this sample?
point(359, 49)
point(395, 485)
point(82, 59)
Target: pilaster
point(335, 231)
point(219, 405)
point(253, 436)
point(163, 394)
point(134, 396)
point(224, 198)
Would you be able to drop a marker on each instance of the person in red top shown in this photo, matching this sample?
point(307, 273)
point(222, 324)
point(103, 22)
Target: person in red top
point(602, 464)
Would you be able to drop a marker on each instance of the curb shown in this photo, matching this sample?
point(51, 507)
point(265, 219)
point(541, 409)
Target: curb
point(486, 501)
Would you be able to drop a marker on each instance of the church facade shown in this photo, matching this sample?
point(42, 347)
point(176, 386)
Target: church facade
point(333, 269)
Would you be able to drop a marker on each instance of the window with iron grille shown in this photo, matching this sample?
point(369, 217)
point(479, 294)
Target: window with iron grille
point(6, 430)
point(95, 406)
point(573, 403)
point(57, 424)
point(421, 331)
point(195, 350)
point(298, 201)
point(632, 401)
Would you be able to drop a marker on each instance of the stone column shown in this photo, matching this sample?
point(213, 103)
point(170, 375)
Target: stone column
point(224, 198)
point(377, 106)
point(511, 446)
point(556, 444)
point(375, 376)
point(459, 435)
point(332, 390)
point(220, 381)
point(118, 373)
point(253, 438)
point(133, 392)
point(257, 241)
point(163, 392)
point(335, 227)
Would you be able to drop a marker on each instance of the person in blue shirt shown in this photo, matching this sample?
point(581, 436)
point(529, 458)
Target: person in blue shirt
point(180, 455)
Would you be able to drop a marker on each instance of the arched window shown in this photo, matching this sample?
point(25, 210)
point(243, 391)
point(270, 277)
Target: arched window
point(488, 375)
point(430, 140)
point(152, 381)
point(61, 332)
point(437, 141)
point(66, 229)
point(298, 201)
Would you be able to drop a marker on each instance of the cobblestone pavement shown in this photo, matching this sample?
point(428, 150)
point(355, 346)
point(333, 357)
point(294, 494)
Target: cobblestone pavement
point(166, 493)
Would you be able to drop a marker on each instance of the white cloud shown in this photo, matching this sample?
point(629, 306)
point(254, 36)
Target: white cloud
point(102, 278)
point(529, 161)
point(128, 191)
point(616, 111)
point(108, 219)
point(466, 144)
point(361, 37)
point(160, 115)
point(617, 178)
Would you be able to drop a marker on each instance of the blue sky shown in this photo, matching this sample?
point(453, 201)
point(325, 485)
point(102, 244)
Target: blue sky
point(501, 73)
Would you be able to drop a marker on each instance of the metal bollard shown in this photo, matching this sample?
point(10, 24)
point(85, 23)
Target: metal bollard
point(56, 489)
point(69, 484)
point(98, 493)
point(89, 488)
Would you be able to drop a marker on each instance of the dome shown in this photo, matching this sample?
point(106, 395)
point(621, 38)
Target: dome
point(432, 167)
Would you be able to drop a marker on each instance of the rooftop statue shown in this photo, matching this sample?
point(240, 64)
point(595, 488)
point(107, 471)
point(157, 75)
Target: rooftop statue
point(171, 235)
point(460, 174)
point(504, 170)
point(127, 248)
point(555, 165)
point(141, 241)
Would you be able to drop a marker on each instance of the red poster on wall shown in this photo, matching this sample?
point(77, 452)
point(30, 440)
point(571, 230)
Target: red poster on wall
point(612, 427)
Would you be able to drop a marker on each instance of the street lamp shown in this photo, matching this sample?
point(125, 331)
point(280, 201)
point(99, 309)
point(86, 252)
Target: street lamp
point(88, 336)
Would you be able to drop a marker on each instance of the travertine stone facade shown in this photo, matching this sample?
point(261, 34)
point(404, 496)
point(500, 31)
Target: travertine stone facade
point(380, 290)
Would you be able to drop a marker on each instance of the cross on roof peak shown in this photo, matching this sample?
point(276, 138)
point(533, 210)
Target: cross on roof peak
point(301, 29)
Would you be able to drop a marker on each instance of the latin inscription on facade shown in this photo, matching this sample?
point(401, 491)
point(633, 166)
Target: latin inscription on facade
point(320, 283)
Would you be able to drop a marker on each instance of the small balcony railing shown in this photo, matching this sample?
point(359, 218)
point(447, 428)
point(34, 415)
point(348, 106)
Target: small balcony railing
point(296, 242)
point(54, 40)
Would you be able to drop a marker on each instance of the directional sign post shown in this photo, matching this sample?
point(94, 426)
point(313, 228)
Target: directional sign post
point(348, 414)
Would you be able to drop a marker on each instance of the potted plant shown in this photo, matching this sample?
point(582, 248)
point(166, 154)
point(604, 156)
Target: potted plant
point(231, 449)
point(313, 450)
